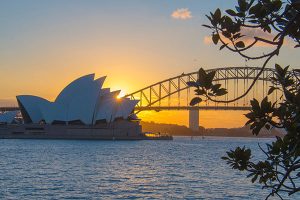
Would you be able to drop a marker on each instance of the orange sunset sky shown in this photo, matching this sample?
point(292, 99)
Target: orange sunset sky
point(44, 45)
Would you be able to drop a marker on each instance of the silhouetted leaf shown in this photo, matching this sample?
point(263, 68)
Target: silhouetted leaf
point(265, 105)
point(227, 22)
point(242, 5)
point(286, 69)
point(201, 77)
point(221, 92)
point(250, 115)
point(224, 158)
point(206, 26)
point(192, 84)
point(215, 87)
point(240, 44)
point(222, 47)
point(271, 90)
point(195, 101)
point(208, 17)
point(209, 78)
point(255, 9)
point(231, 12)
point(279, 70)
point(267, 28)
point(217, 14)
point(255, 104)
point(258, 127)
point(227, 34)
point(215, 38)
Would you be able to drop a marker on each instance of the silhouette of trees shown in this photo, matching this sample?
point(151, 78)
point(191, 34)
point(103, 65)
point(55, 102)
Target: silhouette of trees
point(273, 22)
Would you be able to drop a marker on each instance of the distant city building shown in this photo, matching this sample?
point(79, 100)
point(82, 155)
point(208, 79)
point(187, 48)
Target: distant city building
point(8, 117)
point(83, 101)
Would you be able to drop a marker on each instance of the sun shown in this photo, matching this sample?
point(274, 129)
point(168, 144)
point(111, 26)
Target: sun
point(122, 94)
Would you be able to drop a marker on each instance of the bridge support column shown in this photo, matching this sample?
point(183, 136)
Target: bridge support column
point(194, 119)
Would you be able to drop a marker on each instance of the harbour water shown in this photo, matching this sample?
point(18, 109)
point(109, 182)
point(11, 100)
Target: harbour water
point(184, 168)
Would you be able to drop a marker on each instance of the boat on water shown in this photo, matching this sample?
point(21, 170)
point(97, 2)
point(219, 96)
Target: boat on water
point(158, 136)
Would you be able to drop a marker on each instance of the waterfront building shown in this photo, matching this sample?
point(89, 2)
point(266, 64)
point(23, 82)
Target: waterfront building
point(8, 117)
point(83, 101)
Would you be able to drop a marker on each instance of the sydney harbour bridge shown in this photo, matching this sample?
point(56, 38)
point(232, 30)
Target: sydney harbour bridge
point(174, 93)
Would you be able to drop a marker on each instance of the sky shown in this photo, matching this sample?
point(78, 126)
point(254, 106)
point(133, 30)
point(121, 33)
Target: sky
point(45, 44)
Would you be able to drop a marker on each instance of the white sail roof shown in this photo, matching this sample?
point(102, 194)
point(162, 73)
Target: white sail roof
point(125, 108)
point(31, 105)
point(82, 100)
point(54, 112)
point(66, 95)
point(107, 107)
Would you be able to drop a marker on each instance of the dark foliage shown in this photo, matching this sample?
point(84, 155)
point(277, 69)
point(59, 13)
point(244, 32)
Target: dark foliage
point(280, 171)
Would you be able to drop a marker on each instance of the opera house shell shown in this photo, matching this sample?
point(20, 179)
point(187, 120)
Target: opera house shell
point(83, 101)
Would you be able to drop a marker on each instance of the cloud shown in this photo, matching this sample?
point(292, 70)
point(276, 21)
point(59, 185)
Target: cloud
point(207, 40)
point(182, 14)
point(250, 33)
point(248, 39)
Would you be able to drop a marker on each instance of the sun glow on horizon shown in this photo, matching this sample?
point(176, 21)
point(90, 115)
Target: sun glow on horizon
point(121, 94)
point(208, 118)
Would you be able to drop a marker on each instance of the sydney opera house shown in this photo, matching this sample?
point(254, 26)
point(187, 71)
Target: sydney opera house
point(82, 110)
point(83, 101)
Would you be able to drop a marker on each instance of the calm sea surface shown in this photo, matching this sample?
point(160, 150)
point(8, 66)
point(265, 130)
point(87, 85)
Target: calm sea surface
point(178, 169)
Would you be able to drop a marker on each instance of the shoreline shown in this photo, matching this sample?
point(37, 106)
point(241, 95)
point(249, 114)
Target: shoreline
point(121, 130)
point(180, 130)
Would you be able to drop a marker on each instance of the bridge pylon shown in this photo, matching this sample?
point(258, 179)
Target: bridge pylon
point(194, 119)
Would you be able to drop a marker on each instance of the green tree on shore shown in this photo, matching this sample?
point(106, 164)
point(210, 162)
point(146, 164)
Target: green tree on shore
point(280, 171)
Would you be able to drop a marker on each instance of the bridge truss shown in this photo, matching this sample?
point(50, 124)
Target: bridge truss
point(175, 94)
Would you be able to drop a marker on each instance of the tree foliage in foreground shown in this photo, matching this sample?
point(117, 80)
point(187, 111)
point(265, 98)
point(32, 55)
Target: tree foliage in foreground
point(279, 21)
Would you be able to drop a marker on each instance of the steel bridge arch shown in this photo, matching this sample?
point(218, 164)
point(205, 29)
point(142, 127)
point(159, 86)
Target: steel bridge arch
point(179, 83)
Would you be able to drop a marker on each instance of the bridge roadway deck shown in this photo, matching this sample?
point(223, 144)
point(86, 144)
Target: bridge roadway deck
point(159, 108)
